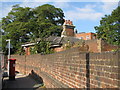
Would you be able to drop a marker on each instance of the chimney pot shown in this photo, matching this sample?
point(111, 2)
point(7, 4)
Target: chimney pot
point(69, 22)
point(65, 21)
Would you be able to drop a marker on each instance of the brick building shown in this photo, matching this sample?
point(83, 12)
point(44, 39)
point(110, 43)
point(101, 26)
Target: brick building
point(86, 36)
point(69, 39)
point(68, 29)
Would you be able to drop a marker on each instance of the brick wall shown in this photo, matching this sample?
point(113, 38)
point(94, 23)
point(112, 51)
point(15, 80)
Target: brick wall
point(74, 69)
point(104, 70)
point(94, 45)
point(108, 47)
point(69, 32)
point(98, 45)
point(58, 49)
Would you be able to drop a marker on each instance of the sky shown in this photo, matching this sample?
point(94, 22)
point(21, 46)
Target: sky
point(85, 14)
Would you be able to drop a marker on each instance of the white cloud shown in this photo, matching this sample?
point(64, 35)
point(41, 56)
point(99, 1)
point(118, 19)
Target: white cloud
point(37, 0)
point(109, 0)
point(76, 15)
point(31, 4)
point(61, 5)
point(88, 12)
point(5, 10)
point(107, 7)
point(92, 11)
point(58, 0)
point(86, 9)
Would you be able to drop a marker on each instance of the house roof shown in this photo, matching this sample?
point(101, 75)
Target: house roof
point(70, 39)
point(28, 44)
point(58, 41)
point(54, 39)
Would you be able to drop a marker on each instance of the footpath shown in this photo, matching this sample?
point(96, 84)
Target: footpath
point(21, 82)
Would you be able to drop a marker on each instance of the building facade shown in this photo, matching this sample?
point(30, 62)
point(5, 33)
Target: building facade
point(86, 36)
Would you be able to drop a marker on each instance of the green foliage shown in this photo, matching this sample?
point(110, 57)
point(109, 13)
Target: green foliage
point(68, 45)
point(23, 25)
point(33, 50)
point(49, 20)
point(109, 28)
point(0, 36)
point(43, 47)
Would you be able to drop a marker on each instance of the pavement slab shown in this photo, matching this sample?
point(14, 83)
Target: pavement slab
point(21, 82)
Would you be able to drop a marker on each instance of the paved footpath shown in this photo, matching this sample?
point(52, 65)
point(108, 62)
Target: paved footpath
point(21, 82)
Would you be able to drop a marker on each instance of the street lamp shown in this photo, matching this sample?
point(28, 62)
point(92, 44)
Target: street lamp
point(8, 46)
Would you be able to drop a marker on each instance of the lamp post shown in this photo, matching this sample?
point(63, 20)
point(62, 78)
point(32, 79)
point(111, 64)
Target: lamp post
point(8, 46)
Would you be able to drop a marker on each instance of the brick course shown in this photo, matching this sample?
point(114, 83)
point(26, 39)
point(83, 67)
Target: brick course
point(74, 69)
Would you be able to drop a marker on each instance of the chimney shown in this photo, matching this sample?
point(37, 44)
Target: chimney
point(68, 29)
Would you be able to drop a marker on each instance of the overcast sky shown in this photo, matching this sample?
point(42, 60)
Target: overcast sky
point(85, 15)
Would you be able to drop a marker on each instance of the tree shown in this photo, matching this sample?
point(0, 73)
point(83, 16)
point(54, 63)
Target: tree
point(17, 26)
point(23, 25)
point(49, 20)
point(109, 28)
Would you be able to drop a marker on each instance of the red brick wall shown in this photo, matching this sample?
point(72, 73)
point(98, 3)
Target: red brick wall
point(99, 45)
point(108, 47)
point(105, 70)
point(73, 69)
point(58, 49)
point(69, 32)
point(27, 50)
point(93, 45)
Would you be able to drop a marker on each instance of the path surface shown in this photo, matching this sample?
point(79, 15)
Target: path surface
point(21, 82)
